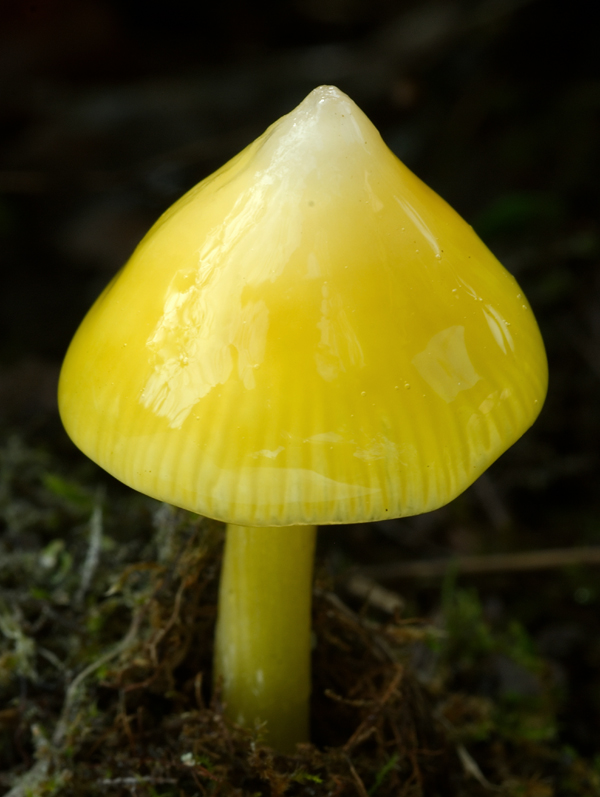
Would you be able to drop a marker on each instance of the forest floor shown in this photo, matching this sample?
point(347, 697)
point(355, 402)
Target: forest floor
point(456, 653)
point(107, 617)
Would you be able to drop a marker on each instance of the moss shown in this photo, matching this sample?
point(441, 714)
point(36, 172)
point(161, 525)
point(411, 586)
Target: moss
point(106, 672)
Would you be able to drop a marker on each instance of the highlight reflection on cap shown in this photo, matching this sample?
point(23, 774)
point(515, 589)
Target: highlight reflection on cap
point(310, 335)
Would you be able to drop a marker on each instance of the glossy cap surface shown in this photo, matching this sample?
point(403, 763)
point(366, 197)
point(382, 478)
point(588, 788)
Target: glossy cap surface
point(310, 335)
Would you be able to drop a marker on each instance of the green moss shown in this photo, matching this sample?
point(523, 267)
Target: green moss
point(119, 671)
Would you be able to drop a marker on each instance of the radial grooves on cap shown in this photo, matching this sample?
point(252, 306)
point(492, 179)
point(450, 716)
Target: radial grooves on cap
point(263, 437)
point(233, 444)
point(282, 443)
point(357, 503)
point(517, 410)
point(219, 444)
point(173, 468)
point(307, 414)
point(137, 431)
point(177, 465)
point(345, 466)
point(213, 441)
point(421, 441)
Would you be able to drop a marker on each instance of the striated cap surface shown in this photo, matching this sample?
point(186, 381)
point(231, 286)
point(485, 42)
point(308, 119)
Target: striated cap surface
point(310, 335)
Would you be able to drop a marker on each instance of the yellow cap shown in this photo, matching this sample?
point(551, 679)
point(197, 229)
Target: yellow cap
point(310, 335)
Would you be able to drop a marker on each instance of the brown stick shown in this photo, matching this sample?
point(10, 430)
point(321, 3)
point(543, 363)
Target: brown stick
point(491, 563)
point(367, 726)
point(358, 782)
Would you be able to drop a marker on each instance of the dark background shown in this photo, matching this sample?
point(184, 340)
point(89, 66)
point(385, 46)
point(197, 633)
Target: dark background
point(109, 111)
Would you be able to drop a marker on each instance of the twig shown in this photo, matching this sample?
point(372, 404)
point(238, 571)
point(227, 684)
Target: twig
point(492, 563)
point(380, 645)
point(72, 691)
point(30, 781)
point(360, 786)
point(371, 592)
point(173, 619)
point(93, 554)
point(135, 781)
point(366, 727)
point(471, 767)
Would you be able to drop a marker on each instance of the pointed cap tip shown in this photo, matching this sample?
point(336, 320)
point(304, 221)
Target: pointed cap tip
point(274, 323)
point(327, 121)
point(324, 93)
point(321, 98)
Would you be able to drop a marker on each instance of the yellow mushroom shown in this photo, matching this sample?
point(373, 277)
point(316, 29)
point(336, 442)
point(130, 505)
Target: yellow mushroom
point(308, 336)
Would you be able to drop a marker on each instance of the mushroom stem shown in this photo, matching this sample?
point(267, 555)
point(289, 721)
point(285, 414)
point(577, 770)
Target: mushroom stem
point(262, 648)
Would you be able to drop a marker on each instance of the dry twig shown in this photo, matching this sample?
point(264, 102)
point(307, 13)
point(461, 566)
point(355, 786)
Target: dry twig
point(491, 563)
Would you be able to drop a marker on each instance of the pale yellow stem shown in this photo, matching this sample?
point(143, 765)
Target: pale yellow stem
point(262, 648)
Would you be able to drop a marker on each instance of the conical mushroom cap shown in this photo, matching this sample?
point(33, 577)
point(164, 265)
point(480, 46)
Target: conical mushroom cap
point(310, 335)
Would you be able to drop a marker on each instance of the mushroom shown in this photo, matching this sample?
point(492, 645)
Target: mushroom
point(309, 336)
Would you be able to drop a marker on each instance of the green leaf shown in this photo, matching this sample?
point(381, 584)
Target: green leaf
point(75, 495)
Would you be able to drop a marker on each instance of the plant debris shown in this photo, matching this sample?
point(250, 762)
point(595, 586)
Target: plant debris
point(107, 621)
